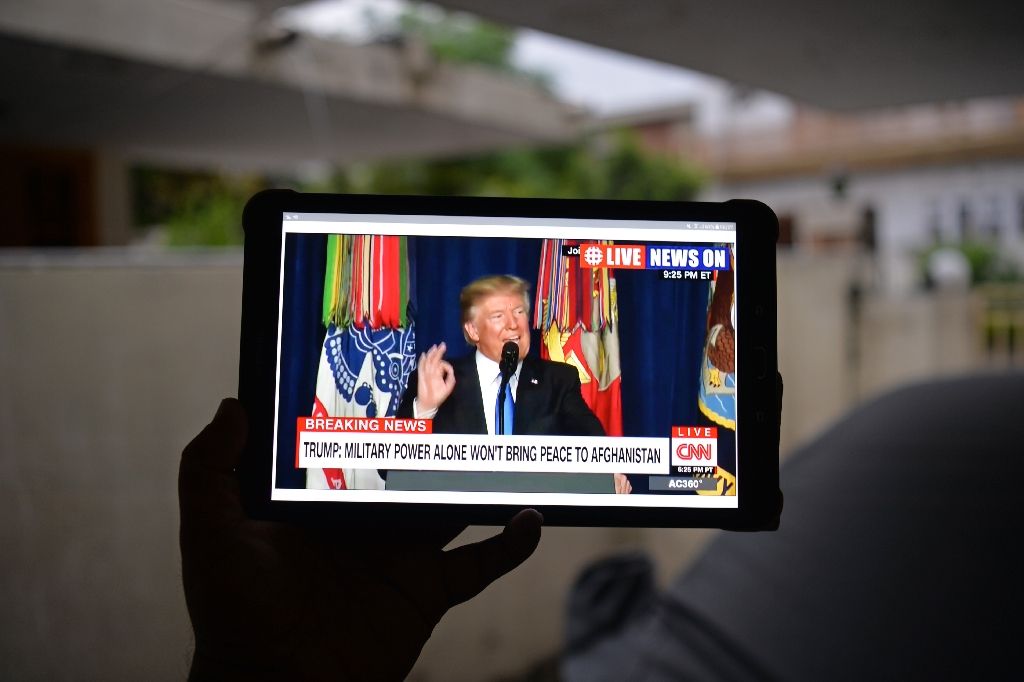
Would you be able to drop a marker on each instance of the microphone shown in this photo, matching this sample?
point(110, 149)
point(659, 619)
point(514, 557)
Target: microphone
point(507, 367)
point(509, 360)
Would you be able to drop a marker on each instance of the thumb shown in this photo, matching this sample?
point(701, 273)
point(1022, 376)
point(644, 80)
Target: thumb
point(208, 489)
point(470, 568)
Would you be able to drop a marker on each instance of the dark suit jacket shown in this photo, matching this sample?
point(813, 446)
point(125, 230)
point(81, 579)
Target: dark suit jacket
point(548, 401)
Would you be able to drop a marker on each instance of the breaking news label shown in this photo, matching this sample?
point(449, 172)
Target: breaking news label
point(384, 443)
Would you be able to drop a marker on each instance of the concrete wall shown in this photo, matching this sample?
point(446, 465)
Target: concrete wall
point(111, 361)
point(812, 295)
point(917, 337)
point(106, 372)
point(832, 358)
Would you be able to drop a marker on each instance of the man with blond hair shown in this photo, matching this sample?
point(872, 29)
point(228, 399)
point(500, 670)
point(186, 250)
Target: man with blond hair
point(461, 395)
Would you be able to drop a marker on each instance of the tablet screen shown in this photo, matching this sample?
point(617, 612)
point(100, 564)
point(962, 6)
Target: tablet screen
point(584, 362)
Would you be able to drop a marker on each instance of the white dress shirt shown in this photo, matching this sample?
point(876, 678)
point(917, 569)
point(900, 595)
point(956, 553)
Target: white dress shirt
point(490, 381)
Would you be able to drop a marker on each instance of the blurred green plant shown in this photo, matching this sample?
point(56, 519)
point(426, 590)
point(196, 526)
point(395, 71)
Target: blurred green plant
point(207, 220)
point(192, 208)
point(612, 167)
point(196, 209)
point(460, 38)
point(985, 259)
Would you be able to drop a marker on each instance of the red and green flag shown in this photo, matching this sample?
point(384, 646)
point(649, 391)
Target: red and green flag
point(577, 314)
point(369, 349)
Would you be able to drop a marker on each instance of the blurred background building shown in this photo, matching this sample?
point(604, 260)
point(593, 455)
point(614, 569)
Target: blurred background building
point(889, 140)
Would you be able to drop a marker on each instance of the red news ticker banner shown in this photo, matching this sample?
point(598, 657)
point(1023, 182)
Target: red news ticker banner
point(385, 443)
point(357, 425)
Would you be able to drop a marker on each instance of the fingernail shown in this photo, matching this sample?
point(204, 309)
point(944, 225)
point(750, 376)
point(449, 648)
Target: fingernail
point(222, 408)
point(536, 513)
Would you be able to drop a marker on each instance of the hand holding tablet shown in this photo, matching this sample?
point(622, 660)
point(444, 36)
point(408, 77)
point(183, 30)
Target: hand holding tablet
point(276, 601)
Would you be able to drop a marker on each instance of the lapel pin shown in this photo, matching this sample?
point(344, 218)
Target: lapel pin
point(533, 381)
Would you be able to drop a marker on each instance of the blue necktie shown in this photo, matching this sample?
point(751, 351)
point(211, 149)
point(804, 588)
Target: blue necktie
point(509, 409)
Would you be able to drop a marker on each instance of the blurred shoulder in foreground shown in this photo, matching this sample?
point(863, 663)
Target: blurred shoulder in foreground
point(895, 559)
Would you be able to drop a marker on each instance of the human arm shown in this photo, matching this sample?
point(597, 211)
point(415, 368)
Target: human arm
point(275, 601)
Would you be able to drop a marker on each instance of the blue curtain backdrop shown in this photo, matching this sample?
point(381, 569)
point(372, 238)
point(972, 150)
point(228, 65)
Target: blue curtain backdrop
point(446, 264)
point(302, 338)
point(661, 338)
point(661, 328)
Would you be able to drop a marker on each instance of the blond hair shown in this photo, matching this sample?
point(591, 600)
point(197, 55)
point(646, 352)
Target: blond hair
point(490, 285)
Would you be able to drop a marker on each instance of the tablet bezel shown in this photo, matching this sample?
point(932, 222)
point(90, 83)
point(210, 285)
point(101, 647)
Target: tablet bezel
point(759, 500)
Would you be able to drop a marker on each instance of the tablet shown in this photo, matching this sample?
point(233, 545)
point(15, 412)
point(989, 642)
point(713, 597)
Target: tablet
point(421, 360)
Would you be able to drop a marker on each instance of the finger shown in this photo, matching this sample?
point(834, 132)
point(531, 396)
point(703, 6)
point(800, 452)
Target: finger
point(208, 489)
point(439, 357)
point(421, 371)
point(430, 363)
point(418, 533)
point(448, 374)
point(438, 537)
point(470, 568)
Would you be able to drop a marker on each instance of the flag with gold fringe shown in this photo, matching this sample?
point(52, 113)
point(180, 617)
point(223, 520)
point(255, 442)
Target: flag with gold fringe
point(577, 314)
point(716, 394)
point(369, 349)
